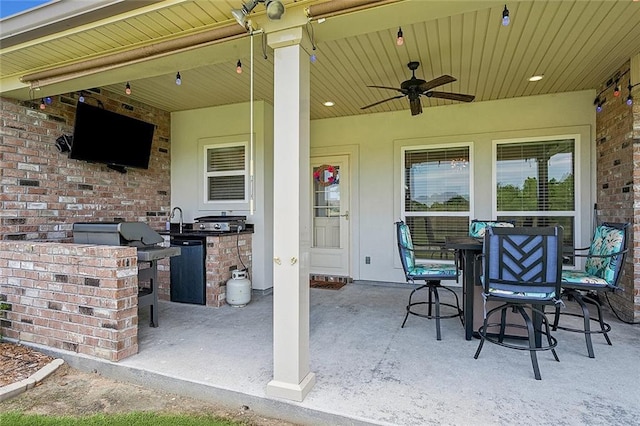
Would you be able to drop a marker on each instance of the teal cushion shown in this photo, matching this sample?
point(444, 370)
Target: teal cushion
point(406, 245)
point(477, 228)
point(513, 292)
point(580, 277)
point(606, 241)
point(433, 269)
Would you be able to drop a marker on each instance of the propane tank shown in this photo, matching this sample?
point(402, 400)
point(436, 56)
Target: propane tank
point(238, 289)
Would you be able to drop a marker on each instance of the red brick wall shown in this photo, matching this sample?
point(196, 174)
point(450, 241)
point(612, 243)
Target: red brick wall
point(44, 192)
point(74, 297)
point(618, 176)
point(222, 258)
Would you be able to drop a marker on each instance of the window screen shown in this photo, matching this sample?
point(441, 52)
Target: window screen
point(226, 173)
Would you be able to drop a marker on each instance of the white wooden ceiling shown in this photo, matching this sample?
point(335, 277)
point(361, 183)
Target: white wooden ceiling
point(577, 45)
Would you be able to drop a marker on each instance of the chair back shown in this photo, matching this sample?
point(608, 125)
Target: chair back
point(607, 252)
point(405, 247)
point(523, 262)
point(477, 228)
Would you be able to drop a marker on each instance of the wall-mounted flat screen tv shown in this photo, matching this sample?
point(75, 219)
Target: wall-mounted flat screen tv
point(107, 137)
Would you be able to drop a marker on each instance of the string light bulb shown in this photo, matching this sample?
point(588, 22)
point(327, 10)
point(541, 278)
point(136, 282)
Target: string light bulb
point(127, 89)
point(400, 38)
point(81, 98)
point(505, 16)
point(178, 79)
point(42, 104)
point(239, 67)
point(313, 58)
point(630, 98)
point(616, 91)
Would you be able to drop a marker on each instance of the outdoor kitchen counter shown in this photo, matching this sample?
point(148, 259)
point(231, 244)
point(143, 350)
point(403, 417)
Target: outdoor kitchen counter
point(195, 233)
point(224, 251)
point(188, 231)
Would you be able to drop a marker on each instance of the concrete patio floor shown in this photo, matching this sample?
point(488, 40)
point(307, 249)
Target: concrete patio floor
point(371, 371)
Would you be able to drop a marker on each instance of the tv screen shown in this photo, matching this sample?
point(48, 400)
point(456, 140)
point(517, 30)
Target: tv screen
point(106, 137)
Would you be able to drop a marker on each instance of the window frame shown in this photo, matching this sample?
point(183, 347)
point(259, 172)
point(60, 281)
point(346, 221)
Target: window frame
point(577, 182)
point(224, 204)
point(435, 147)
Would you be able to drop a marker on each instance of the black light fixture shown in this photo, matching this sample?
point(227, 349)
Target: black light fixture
point(505, 16)
point(239, 67)
point(127, 89)
point(400, 38)
point(178, 79)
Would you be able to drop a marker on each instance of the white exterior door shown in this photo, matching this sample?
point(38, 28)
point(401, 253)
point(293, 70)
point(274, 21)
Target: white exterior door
point(330, 215)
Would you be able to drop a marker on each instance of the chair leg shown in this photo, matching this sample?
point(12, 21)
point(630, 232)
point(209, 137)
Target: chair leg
point(482, 332)
point(409, 305)
point(532, 342)
point(503, 323)
point(556, 318)
point(434, 290)
point(604, 327)
point(460, 312)
point(587, 324)
point(549, 340)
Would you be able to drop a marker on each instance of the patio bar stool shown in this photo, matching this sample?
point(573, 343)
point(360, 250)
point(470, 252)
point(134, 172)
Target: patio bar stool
point(431, 274)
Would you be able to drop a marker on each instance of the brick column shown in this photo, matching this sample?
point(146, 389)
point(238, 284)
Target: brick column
point(74, 297)
point(618, 180)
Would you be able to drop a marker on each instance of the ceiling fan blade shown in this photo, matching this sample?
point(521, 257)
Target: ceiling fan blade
point(443, 79)
point(416, 105)
point(390, 88)
point(453, 96)
point(385, 100)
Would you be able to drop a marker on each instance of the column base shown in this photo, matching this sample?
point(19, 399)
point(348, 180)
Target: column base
point(294, 392)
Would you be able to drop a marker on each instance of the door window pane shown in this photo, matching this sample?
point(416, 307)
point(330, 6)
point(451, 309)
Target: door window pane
point(326, 206)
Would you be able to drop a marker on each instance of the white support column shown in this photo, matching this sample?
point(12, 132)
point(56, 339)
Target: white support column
point(292, 378)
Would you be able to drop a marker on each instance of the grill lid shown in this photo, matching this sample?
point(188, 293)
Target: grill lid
point(137, 234)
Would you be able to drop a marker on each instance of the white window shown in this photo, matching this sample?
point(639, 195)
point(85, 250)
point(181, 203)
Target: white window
point(436, 196)
point(226, 173)
point(535, 183)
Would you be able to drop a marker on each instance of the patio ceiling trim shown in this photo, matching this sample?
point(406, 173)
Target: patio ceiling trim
point(91, 66)
point(226, 33)
point(339, 7)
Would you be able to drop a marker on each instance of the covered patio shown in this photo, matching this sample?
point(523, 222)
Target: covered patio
point(371, 371)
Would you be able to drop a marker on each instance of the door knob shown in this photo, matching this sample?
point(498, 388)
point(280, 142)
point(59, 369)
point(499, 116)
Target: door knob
point(345, 215)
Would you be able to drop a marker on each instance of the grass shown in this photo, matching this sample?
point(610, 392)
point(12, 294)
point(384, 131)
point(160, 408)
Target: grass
point(128, 419)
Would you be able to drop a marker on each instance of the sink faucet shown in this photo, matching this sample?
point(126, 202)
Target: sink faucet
point(173, 214)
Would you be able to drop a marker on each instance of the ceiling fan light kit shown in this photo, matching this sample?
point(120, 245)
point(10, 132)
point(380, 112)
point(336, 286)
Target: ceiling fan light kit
point(416, 87)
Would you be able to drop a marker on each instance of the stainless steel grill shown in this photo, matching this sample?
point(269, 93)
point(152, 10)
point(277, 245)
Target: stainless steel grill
point(133, 234)
point(220, 223)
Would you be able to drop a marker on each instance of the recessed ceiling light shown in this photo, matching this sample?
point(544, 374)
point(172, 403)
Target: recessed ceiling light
point(536, 77)
point(328, 104)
